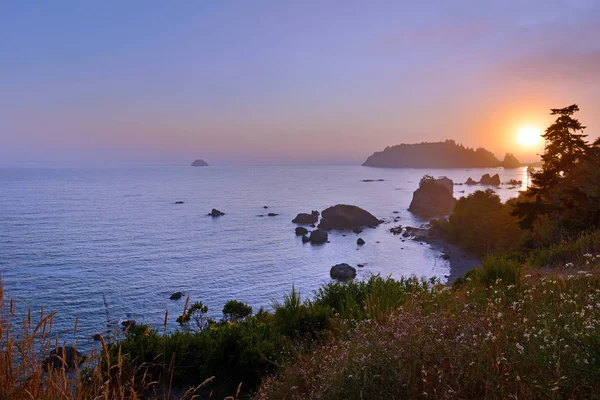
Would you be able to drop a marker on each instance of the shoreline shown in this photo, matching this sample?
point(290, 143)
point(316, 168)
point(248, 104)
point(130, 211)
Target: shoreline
point(460, 261)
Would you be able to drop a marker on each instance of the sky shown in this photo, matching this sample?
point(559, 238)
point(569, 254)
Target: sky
point(288, 81)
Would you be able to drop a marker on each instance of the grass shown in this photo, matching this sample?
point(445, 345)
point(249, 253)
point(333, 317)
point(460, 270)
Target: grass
point(566, 251)
point(486, 339)
point(28, 369)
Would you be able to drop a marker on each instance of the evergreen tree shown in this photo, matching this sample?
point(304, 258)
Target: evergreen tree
point(564, 151)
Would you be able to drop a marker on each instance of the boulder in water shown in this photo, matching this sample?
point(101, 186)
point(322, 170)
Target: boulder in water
point(176, 296)
point(216, 213)
point(301, 231)
point(128, 324)
point(432, 198)
point(470, 181)
point(199, 163)
point(179, 202)
point(343, 216)
point(318, 236)
point(305, 239)
point(360, 241)
point(64, 357)
point(342, 272)
point(307, 219)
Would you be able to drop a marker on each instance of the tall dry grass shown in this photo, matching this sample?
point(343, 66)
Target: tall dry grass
point(36, 364)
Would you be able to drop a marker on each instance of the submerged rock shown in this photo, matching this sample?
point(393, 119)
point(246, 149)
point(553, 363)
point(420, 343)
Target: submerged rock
point(301, 231)
point(272, 214)
point(342, 272)
point(64, 357)
point(343, 216)
point(433, 198)
point(304, 218)
point(318, 236)
point(179, 202)
point(216, 213)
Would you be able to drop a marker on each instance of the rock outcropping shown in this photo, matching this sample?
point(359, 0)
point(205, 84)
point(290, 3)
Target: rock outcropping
point(199, 163)
point(510, 161)
point(342, 272)
point(434, 197)
point(216, 213)
point(343, 216)
point(307, 219)
point(486, 179)
point(318, 236)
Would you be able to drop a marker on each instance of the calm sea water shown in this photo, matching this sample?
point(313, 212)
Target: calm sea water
point(70, 237)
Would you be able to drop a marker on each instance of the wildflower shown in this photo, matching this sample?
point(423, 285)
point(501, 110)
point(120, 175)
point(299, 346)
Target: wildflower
point(520, 348)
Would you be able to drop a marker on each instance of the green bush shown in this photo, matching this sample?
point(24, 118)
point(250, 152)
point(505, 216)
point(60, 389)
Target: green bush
point(495, 268)
point(299, 320)
point(235, 310)
point(368, 299)
point(482, 224)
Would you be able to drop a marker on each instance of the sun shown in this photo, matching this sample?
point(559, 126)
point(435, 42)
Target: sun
point(529, 136)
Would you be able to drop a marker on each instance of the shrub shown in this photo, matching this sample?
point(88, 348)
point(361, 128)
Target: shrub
point(194, 318)
point(482, 224)
point(235, 310)
point(499, 269)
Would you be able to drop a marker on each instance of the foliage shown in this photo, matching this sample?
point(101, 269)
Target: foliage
point(235, 310)
point(481, 223)
point(368, 299)
point(447, 154)
point(539, 338)
point(194, 318)
point(26, 343)
point(496, 269)
point(557, 187)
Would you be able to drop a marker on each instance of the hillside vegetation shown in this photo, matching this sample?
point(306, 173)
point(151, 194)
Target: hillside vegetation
point(447, 154)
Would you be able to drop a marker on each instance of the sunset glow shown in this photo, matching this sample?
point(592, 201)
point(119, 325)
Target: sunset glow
point(529, 136)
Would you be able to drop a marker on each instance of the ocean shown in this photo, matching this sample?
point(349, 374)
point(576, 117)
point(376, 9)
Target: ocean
point(72, 237)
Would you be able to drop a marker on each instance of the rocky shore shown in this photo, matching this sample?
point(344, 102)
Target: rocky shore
point(460, 261)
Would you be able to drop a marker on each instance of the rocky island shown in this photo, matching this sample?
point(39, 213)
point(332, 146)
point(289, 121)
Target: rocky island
point(199, 163)
point(447, 154)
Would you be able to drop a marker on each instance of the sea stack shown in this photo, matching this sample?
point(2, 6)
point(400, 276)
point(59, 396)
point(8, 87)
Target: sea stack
point(199, 163)
point(434, 197)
